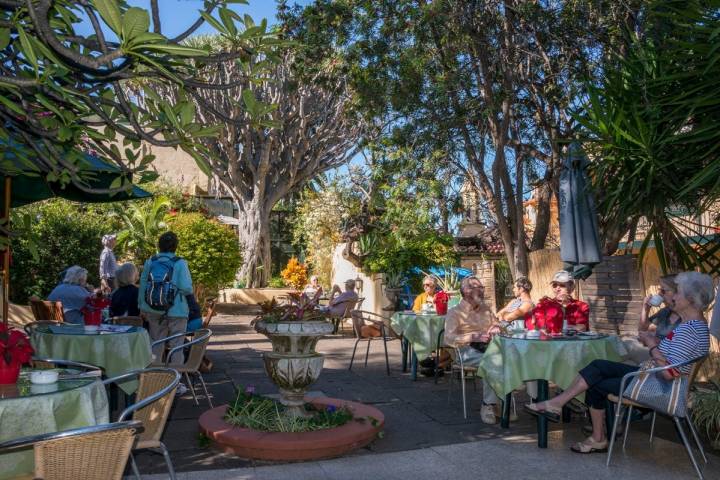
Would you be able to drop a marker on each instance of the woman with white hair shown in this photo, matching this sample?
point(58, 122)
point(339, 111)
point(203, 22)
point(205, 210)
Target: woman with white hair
point(688, 341)
point(427, 298)
point(312, 288)
point(108, 264)
point(73, 293)
point(124, 300)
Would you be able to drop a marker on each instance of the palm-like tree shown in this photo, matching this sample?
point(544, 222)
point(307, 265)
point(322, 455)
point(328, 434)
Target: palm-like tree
point(143, 222)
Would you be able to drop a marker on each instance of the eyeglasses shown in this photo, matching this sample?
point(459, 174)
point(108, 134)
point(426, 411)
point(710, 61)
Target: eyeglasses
point(428, 285)
point(556, 285)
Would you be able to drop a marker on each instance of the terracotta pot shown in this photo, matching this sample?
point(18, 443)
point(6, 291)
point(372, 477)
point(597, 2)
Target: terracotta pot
point(293, 365)
point(9, 373)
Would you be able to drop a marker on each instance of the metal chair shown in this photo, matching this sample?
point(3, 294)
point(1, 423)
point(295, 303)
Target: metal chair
point(30, 327)
point(47, 310)
point(154, 398)
point(93, 453)
point(338, 320)
point(127, 320)
point(210, 305)
point(197, 346)
point(360, 318)
point(456, 365)
point(86, 370)
point(624, 402)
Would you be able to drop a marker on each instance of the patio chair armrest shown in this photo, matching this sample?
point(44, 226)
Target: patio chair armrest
point(166, 339)
point(69, 363)
point(185, 345)
point(23, 442)
point(155, 396)
point(629, 376)
point(123, 377)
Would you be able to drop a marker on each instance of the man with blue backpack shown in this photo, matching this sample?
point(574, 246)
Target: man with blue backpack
point(164, 283)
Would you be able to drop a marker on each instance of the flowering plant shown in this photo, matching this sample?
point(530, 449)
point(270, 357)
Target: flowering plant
point(301, 309)
point(15, 348)
point(547, 314)
point(295, 274)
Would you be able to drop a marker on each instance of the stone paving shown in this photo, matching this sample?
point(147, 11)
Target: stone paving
point(418, 415)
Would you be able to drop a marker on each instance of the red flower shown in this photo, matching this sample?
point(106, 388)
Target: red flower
point(670, 335)
point(14, 346)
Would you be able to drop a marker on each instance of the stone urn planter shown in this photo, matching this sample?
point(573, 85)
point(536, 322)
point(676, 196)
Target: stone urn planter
point(293, 365)
point(393, 296)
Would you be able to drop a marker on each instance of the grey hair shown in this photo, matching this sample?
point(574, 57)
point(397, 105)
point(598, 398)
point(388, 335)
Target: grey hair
point(75, 275)
point(106, 239)
point(696, 287)
point(314, 277)
point(430, 277)
point(465, 284)
point(524, 283)
point(126, 274)
point(350, 283)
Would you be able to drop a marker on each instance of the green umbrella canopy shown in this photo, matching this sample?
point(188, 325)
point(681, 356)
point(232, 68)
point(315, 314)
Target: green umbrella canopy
point(29, 186)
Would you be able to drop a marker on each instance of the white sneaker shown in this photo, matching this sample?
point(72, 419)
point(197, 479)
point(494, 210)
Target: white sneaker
point(487, 414)
point(181, 389)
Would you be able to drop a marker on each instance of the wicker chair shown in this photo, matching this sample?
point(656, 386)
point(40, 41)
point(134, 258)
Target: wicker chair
point(622, 402)
point(127, 320)
point(30, 327)
point(197, 347)
point(362, 317)
point(210, 305)
point(46, 310)
point(91, 453)
point(154, 399)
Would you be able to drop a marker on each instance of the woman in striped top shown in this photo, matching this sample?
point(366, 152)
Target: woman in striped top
point(690, 340)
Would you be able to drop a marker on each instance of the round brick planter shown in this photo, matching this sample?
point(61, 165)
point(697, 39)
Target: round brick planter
point(326, 443)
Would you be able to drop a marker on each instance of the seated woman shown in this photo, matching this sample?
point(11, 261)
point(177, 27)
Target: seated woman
point(427, 298)
point(313, 287)
point(665, 320)
point(690, 340)
point(194, 314)
point(124, 300)
point(521, 306)
point(73, 292)
point(554, 313)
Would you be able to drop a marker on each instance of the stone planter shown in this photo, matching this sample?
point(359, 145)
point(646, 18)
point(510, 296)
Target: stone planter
point(393, 295)
point(293, 365)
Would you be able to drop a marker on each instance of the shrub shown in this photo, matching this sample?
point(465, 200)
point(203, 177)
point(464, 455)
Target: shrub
point(295, 274)
point(50, 236)
point(276, 282)
point(211, 250)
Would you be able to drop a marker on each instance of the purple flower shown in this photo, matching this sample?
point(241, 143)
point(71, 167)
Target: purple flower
point(331, 408)
point(250, 389)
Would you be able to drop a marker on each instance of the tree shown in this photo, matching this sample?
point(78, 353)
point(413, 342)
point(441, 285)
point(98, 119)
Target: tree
point(653, 126)
point(63, 93)
point(489, 84)
point(279, 131)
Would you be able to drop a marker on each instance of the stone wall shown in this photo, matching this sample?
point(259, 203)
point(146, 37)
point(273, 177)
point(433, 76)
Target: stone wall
point(485, 270)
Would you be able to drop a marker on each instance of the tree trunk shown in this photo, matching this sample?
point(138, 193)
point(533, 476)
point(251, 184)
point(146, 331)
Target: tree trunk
point(254, 235)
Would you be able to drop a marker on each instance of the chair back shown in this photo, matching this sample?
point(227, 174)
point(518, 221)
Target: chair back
point(197, 346)
point(127, 320)
point(209, 311)
point(46, 310)
point(30, 327)
point(360, 317)
point(153, 401)
point(95, 453)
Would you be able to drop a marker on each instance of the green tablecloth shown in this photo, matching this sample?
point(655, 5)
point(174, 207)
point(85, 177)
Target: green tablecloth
point(508, 362)
point(83, 406)
point(117, 353)
point(420, 330)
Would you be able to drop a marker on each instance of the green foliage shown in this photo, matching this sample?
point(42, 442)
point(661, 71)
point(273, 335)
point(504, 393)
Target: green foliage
point(401, 254)
point(210, 248)
point(142, 222)
point(265, 414)
point(276, 282)
point(706, 412)
point(51, 236)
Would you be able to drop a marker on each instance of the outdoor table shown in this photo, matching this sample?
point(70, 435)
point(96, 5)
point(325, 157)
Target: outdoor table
point(420, 332)
point(27, 409)
point(116, 353)
point(508, 362)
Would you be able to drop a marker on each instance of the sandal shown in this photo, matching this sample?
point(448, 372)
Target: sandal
point(589, 445)
point(551, 413)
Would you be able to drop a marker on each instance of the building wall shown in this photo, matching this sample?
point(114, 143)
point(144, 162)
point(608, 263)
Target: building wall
point(372, 289)
point(485, 270)
point(178, 168)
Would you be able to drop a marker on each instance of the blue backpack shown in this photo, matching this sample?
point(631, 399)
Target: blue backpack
point(160, 291)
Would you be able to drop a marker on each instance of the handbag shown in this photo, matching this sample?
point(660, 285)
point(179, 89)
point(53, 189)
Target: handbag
point(665, 396)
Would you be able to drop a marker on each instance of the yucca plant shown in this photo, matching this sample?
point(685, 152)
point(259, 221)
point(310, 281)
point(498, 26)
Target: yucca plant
point(143, 222)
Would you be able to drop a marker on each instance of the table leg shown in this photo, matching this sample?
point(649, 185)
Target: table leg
point(413, 365)
point(542, 422)
point(505, 419)
point(404, 349)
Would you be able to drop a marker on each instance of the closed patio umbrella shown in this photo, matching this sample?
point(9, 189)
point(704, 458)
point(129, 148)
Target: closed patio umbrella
point(579, 236)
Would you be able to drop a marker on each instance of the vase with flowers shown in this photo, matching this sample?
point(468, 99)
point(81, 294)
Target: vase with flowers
point(15, 351)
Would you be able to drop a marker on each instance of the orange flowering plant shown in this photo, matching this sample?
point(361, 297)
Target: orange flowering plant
point(295, 274)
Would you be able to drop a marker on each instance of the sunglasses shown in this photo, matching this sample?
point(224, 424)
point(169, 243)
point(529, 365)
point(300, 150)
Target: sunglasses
point(428, 285)
point(556, 285)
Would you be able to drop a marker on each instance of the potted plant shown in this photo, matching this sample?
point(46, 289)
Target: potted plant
point(294, 330)
point(15, 351)
point(706, 412)
point(394, 281)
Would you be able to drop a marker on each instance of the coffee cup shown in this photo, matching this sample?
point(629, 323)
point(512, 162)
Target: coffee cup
point(656, 300)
